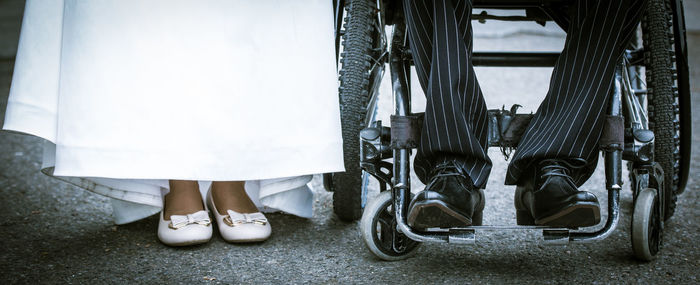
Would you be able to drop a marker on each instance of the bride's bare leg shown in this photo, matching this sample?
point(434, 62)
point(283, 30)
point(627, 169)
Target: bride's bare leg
point(231, 195)
point(184, 198)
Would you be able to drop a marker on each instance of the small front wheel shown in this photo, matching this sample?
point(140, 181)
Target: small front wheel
point(378, 229)
point(647, 225)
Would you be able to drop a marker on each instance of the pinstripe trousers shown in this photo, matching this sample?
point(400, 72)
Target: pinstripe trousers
point(568, 123)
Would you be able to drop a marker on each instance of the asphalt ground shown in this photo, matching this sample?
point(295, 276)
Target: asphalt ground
point(52, 232)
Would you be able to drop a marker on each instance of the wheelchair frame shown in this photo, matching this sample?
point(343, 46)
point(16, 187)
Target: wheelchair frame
point(634, 142)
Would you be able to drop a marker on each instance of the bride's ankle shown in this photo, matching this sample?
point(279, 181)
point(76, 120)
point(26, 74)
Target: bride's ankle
point(184, 198)
point(231, 195)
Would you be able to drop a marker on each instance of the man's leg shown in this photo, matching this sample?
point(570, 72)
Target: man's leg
point(568, 124)
point(453, 142)
point(455, 123)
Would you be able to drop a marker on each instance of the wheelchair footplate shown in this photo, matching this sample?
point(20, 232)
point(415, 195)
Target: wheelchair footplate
point(469, 235)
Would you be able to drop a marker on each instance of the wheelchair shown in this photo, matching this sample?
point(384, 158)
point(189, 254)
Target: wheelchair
point(648, 124)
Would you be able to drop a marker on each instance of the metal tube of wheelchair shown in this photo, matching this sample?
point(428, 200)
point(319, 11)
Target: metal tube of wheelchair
point(402, 107)
point(515, 59)
point(401, 188)
point(613, 172)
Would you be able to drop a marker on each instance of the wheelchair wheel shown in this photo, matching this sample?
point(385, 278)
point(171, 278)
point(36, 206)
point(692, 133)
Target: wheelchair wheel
point(360, 74)
point(378, 228)
point(661, 79)
point(647, 225)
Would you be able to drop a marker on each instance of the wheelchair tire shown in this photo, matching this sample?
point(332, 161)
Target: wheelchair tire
point(658, 40)
point(377, 227)
point(683, 93)
point(647, 225)
point(357, 83)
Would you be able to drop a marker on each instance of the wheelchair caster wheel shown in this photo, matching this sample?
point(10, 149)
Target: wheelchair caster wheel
point(647, 225)
point(378, 229)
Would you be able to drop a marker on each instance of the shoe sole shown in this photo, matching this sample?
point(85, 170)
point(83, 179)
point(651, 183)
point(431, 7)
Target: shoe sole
point(187, 243)
point(438, 214)
point(575, 215)
point(580, 214)
point(246, 240)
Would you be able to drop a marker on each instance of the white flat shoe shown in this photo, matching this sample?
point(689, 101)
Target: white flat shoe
point(237, 228)
point(184, 230)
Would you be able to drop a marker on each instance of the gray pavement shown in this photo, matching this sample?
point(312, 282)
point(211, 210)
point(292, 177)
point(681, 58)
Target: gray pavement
point(52, 232)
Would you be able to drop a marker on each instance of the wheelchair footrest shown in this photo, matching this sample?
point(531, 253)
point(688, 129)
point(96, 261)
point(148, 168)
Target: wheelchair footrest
point(468, 235)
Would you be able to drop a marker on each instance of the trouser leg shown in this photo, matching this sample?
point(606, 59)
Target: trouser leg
point(569, 122)
point(455, 124)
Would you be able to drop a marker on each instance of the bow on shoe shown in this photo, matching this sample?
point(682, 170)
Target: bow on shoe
point(179, 221)
point(235, 218)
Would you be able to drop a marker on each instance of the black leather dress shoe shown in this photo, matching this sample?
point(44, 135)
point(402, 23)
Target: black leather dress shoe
point(449, 200)
point(551, 198)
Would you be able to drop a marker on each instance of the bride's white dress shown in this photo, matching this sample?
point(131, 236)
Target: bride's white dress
point(130, 93)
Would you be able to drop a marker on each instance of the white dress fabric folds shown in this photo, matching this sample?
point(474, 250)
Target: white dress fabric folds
point(130, 93)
